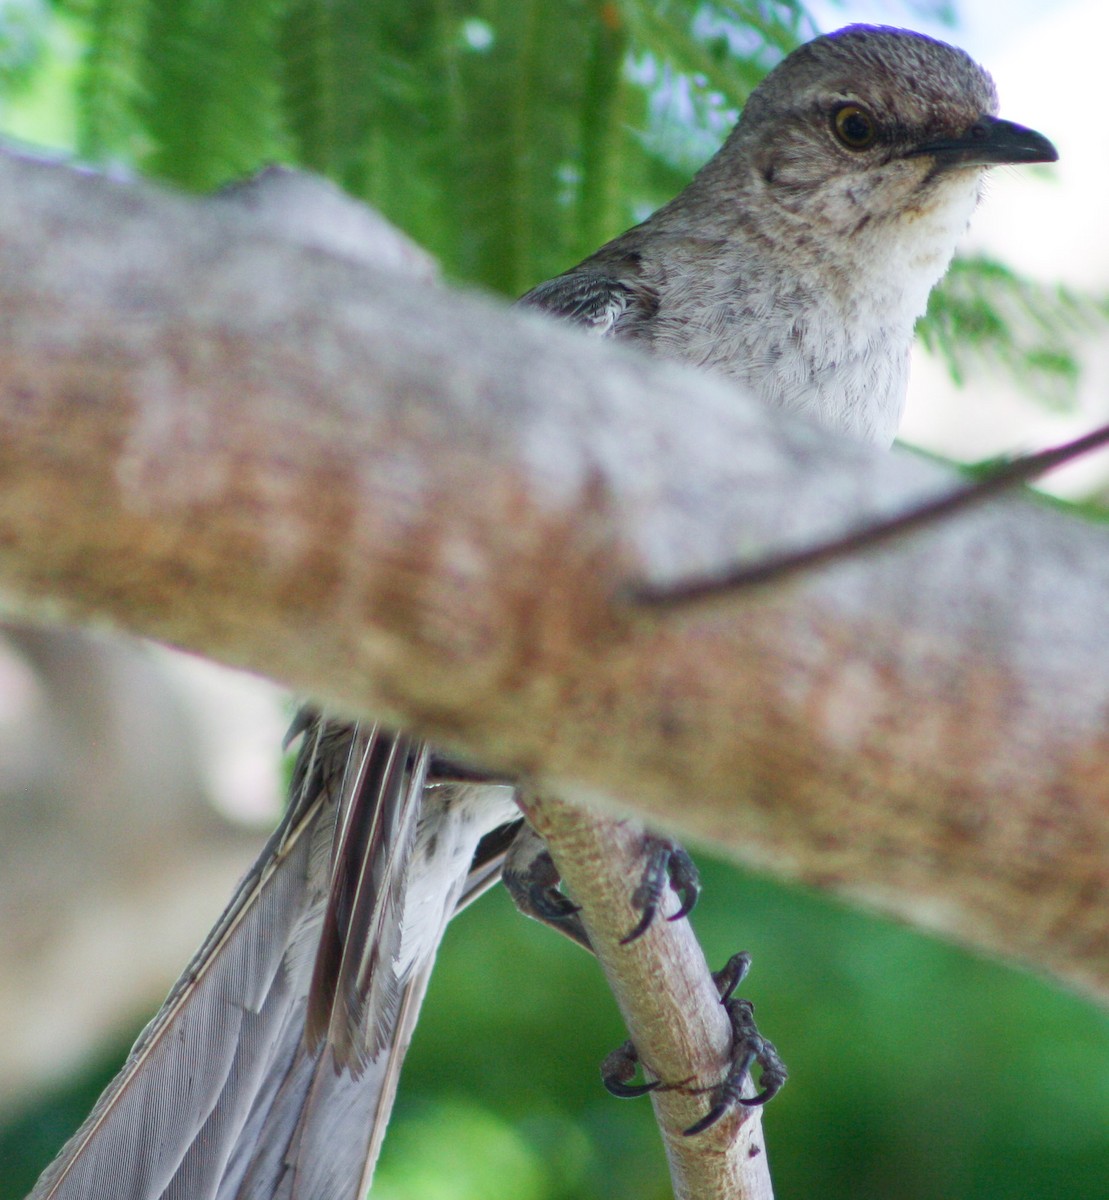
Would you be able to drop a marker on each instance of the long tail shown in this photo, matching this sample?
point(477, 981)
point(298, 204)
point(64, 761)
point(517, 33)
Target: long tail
point(271, 1068)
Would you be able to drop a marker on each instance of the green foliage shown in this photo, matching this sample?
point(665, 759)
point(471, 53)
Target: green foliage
point(724, 49)
point(109, 91)
point(508, 136)
point(208, 99)
point(23, 41)
point(699, 63)
point(985, 315)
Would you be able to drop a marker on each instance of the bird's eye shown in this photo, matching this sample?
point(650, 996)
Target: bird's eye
point(854, 126)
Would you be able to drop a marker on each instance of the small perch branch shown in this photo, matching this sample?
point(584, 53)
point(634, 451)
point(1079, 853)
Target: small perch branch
point(668, 1000)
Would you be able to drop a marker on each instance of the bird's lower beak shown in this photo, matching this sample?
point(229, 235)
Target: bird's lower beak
point(988, 141)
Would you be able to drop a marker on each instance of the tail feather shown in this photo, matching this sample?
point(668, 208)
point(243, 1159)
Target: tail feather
point(193, 1066)
point(270, 1071)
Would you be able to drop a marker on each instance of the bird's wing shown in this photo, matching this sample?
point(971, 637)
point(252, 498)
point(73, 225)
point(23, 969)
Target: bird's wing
point(606, 303)
point(223, 1095)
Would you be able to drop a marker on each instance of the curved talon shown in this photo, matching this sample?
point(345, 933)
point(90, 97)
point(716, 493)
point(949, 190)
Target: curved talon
point(727, 1095)
point(642, 925)
point(763, 1096)
point(618, 1068)
point(549, 904)
point(685, 880)
point(666, 864)
point(706, 1122)
point(731, 975)
point(532, 881)
point(628, 1091)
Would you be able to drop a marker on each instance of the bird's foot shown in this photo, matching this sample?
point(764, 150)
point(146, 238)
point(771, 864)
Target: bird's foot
point(532, 880)
point(665, 863)
point(618, 1070)
point(749, 1048)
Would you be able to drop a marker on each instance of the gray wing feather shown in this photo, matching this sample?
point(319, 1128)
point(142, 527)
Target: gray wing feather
point(340, 1120)
point(600, 302)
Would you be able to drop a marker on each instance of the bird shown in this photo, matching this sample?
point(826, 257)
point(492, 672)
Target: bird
point(798, 259)
point(795, 264)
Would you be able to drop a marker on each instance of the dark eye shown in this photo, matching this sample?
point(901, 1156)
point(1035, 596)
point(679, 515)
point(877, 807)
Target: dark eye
point(854, 126)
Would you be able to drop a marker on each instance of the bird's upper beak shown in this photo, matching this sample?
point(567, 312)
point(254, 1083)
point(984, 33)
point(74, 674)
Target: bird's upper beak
point(988, 141)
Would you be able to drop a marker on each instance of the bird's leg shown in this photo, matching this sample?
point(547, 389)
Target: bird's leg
point(749, 1048)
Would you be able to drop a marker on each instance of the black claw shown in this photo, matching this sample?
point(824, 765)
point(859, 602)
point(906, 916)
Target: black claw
point(532, 881)
point(762, 1098)
point(618, 1068)
point(629, 1091)
point(549, 904)
point(643, 924)
point(727, 1095)
point(666, 863)
point(685, 881)
point(731, 975)
point(706, 1122)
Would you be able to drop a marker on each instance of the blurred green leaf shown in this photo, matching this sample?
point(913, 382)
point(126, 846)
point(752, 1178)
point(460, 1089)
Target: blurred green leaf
point(24, 26)
point(985, 317)
point(508, 136)
point(207, 90)
point(109, 89)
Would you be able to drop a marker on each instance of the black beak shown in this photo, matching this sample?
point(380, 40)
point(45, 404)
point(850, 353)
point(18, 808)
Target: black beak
point(989, 141)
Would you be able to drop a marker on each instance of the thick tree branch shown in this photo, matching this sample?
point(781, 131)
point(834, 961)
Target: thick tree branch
point(416, 504)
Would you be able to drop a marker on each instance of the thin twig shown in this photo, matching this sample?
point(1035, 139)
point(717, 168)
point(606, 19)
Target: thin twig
point(776, 568)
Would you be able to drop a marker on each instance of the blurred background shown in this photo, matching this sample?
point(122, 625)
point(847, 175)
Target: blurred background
point(511, 137)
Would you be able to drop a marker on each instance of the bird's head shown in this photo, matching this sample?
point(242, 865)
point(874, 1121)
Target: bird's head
point(872, 124)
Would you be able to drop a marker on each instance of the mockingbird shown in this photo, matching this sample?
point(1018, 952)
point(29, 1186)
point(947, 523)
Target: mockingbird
point(796, 263)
